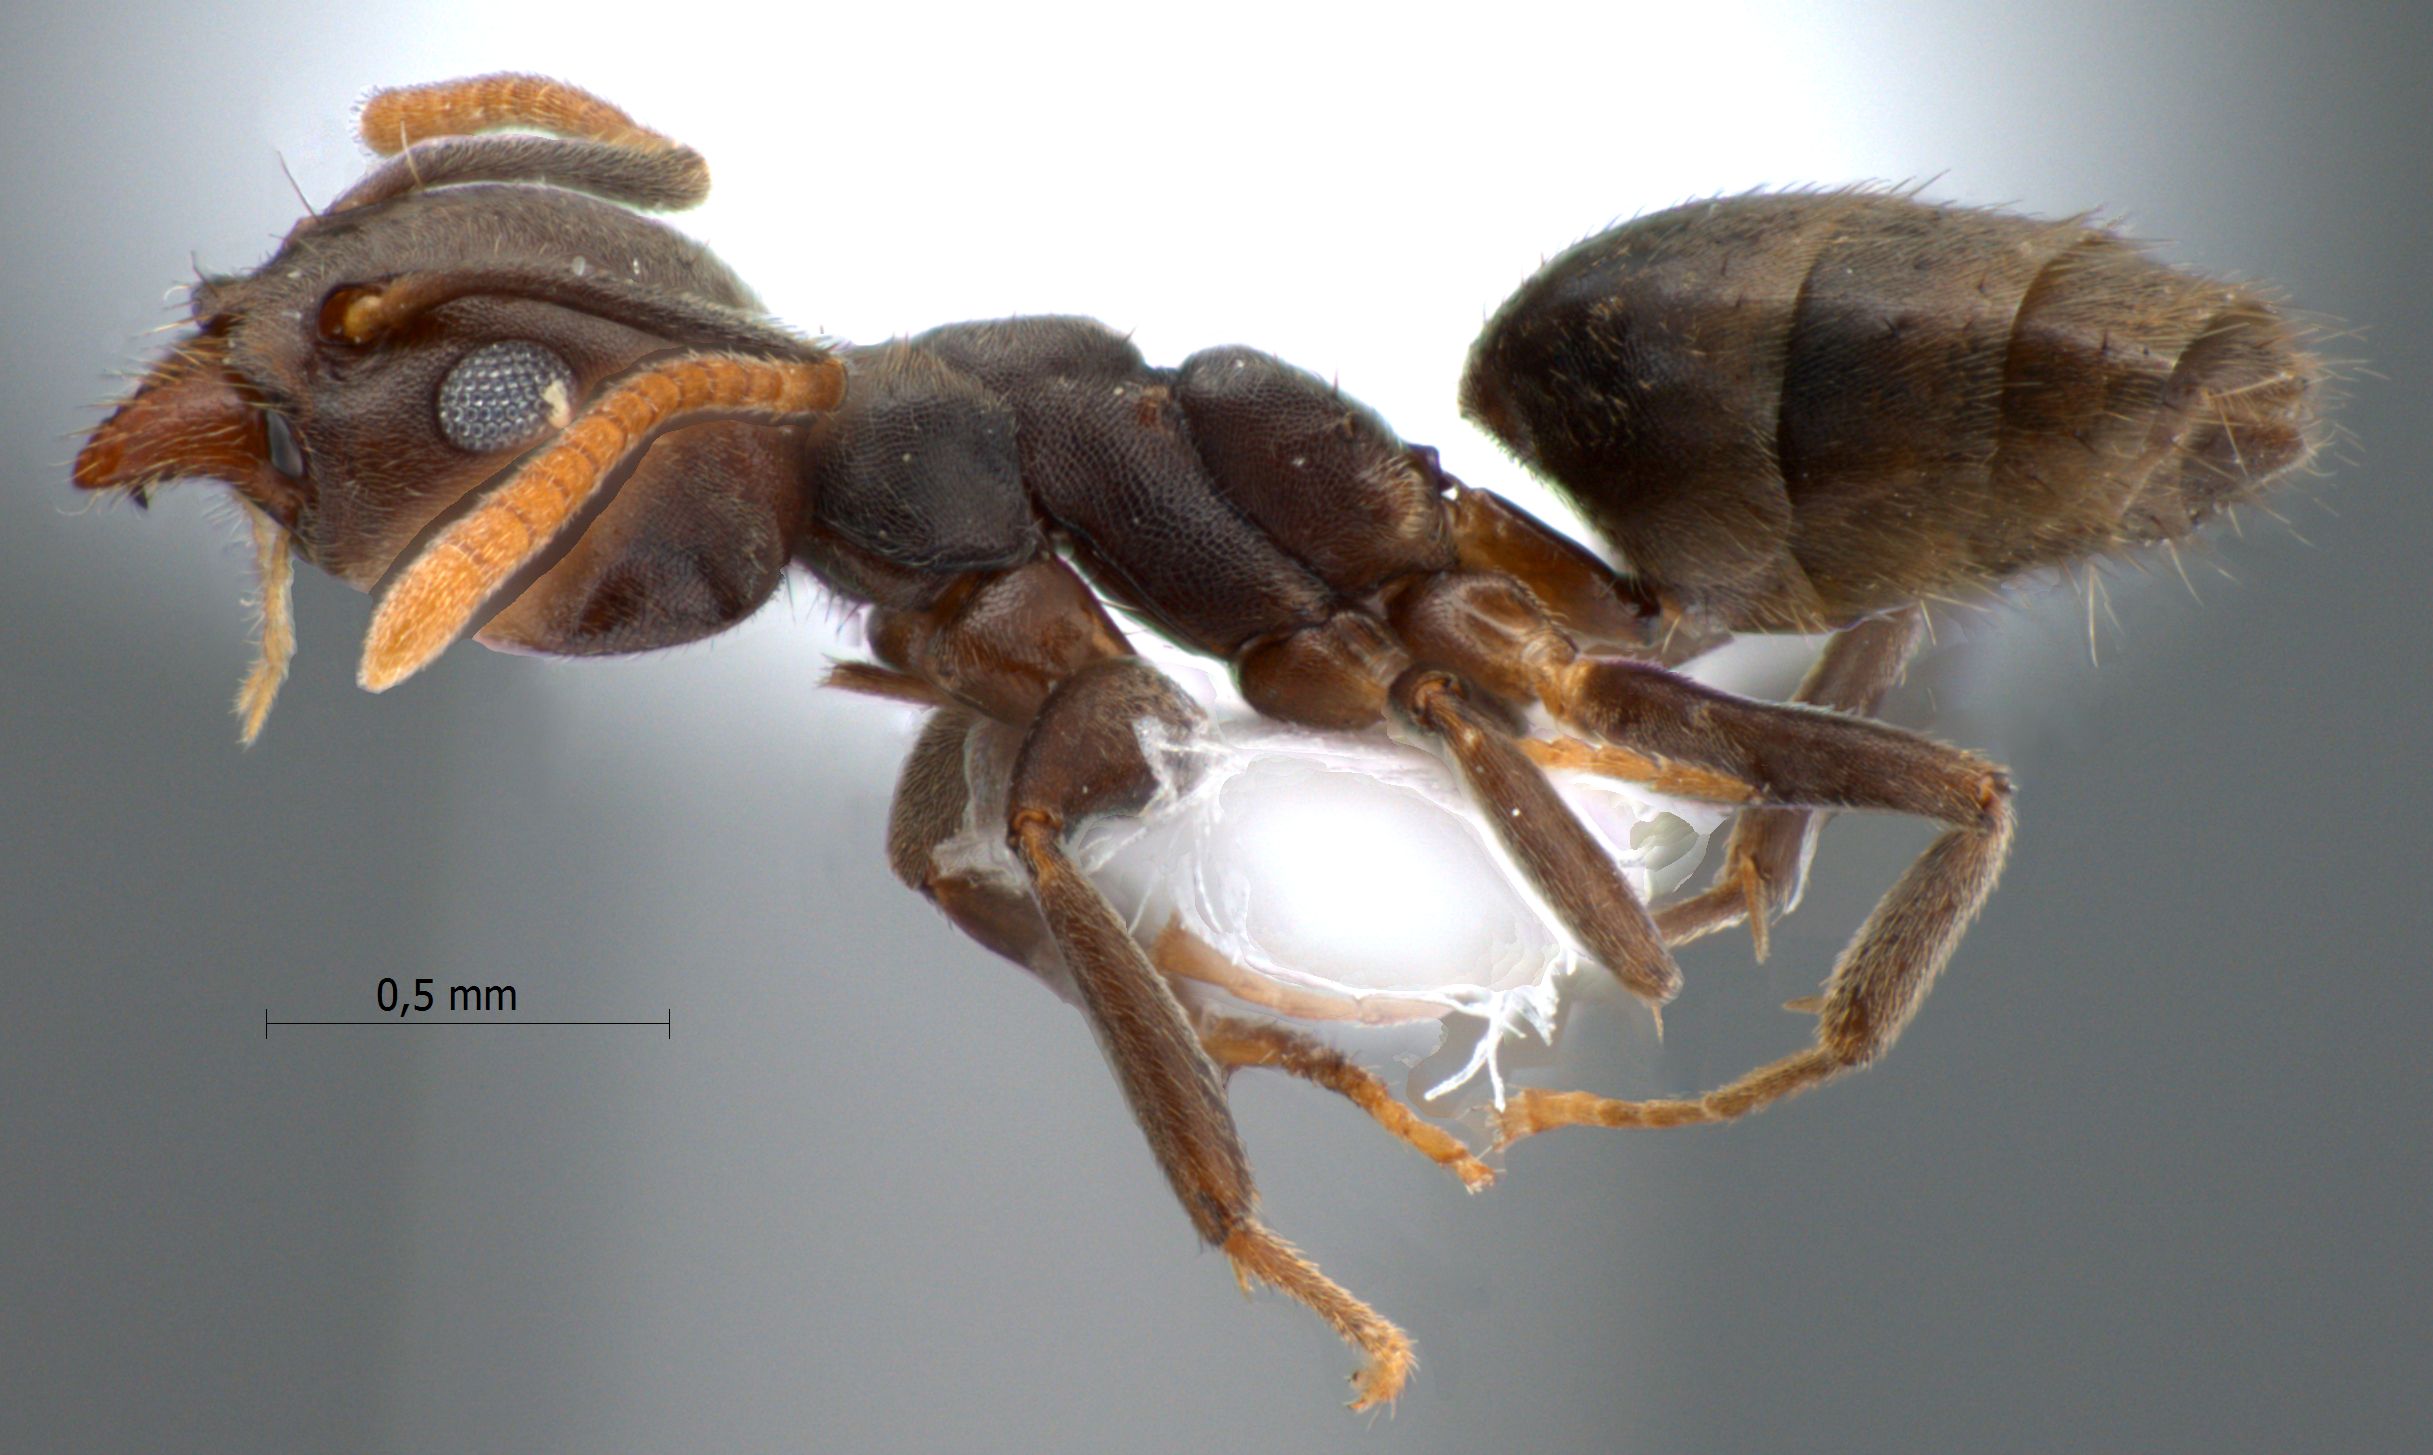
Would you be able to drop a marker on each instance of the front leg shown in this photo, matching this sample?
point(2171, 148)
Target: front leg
point(932, 805)
point(1084, 756)
point(1032, 647)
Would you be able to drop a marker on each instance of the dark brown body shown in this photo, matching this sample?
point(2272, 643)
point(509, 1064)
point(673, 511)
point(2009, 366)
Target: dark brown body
point(1796, 411)
point(491, 398)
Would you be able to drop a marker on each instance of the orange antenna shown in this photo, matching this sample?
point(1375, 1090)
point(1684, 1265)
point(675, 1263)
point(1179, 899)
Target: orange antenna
point(440, 590)
point(573, 139)
point(395, 119)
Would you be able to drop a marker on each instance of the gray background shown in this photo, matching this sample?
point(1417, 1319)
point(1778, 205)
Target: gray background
point(2149, 1173)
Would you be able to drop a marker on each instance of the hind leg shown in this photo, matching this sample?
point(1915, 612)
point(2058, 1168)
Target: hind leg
point(1771, 756)
point(1804, 758)
point(1765, 868)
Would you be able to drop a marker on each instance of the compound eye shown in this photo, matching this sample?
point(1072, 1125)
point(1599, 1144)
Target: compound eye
point(503, 395)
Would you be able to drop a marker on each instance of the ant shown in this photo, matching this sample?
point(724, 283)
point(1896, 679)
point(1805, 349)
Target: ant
point(484, 386)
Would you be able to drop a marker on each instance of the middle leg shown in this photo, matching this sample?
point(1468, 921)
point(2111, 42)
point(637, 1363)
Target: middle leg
point(1350, 671)
point(1233, 1042)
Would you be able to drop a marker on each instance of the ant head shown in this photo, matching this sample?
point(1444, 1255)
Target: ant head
point(453, 311)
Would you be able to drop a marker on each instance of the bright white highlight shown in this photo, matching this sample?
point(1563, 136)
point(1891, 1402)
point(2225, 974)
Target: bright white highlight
point(1353, 870)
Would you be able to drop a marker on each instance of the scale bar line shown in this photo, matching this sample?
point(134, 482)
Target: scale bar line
point(668, 1023)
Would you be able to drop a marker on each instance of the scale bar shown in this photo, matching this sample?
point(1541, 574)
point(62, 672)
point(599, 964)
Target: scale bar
point(669, 1023)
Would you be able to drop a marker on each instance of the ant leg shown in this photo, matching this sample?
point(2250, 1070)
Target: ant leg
point(1346, 672)
point(1801, 757)
point(1680, 780)
point(1589, 600)
point(1031, 646)
point(1234, 1043)
point(1084, 755)
point(1765, 869)
point(1566, 863)
point(1489, 630)
point(932, 801)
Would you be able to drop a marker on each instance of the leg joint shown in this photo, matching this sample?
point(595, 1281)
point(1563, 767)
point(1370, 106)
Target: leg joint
point(1994, 795)
point(1029, 829)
